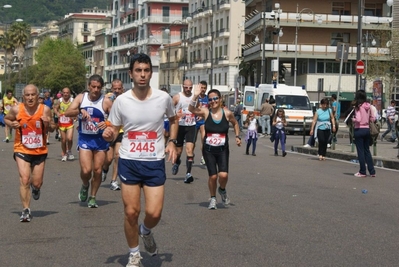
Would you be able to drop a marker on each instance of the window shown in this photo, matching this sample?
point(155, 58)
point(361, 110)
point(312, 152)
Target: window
point(184, 11)
point(373, 10)
point(220, 78)
point(165, 11)
point(225, 50)
point(341, 8)
point(85, 27)
point(225, 78)
point(339, 37)
point(220, 51)
point(148, 11)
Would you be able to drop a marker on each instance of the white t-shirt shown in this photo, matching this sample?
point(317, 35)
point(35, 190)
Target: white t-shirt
point(143, 124)
point(252, 125)
point(188, 118)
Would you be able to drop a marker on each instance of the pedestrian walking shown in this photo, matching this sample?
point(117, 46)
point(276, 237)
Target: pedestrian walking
point(391, 112)
point(266, 111)
point(238, 112)
point(322, 125)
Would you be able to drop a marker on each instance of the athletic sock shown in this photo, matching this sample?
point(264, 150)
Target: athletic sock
point(189, 163)
point(144, 230)
point(134, 250)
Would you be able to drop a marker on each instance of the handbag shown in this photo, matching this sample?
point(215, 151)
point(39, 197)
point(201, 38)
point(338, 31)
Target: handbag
point(374, 128)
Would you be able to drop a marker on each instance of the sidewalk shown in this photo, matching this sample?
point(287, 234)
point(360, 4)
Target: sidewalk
point(384, 154)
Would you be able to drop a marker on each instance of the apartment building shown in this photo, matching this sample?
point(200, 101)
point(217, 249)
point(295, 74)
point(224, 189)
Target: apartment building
point(215, 38)
point(304, 36)
point(140, 26)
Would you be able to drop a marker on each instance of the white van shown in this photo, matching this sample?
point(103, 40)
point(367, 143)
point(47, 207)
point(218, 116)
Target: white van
point(293, 99)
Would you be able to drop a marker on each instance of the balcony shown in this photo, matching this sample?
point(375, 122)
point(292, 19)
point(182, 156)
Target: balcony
point(310, 51)
point(86, 30)
point(169, 65)
point(223, 5)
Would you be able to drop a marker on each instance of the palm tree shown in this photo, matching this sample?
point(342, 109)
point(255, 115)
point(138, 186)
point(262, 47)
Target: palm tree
point(7, 45)
point(19, 35)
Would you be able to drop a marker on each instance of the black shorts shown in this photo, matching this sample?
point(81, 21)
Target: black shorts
point(117, 140)
point(217, 160)
point(187, 133)
point(32, 159)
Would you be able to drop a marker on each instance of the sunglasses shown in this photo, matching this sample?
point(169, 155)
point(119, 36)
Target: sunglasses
point(187, 87)
point(213, 98)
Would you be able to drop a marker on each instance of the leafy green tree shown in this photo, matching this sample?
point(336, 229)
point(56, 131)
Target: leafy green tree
point(59, 65)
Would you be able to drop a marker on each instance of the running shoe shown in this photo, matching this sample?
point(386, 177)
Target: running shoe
point(212, 204)
point(25, 216)
point(92, 202)
point(134, 260)
point(70, 156)
point(284, 154)
point(56, 136)
point(64, 158)
point(149, 243)
point(189, 178)
point(358, 174)
point(6, 140)
point(224, 196)
point(175, 168)
point(35, 192)
point(202, 162)
point(115, 186)
point(104, 175)
point(307, 145)
point(372, 175)
point(84, 190)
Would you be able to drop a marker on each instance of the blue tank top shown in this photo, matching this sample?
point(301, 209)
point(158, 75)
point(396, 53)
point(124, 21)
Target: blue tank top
point(48, 102)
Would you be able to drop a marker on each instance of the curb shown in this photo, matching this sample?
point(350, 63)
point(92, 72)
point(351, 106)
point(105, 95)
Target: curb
point(348, 156)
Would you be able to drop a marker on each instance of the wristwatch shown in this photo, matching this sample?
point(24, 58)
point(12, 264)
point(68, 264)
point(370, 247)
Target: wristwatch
point(174, 141)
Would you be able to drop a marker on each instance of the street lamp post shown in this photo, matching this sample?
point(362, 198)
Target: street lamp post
point(5, 48)
point(279, 33)
point(263, 63)
point(299, 17)
point(359, 39)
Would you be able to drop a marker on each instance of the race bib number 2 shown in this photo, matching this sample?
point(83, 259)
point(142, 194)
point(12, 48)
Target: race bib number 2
point(142, 144)
point(32, 139)
point(215, 139)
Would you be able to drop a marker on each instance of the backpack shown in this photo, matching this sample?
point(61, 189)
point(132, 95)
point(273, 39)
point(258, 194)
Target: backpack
point(374, 128)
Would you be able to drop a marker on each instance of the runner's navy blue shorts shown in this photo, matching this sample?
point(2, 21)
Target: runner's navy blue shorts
point(149, 173)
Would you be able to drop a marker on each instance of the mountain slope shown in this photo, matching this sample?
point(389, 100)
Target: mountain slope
point(38, 12)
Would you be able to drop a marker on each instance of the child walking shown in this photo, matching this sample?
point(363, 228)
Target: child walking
point(279, 123)
point(252, 133)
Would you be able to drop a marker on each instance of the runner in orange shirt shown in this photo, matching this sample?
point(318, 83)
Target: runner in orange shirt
point(31, 121)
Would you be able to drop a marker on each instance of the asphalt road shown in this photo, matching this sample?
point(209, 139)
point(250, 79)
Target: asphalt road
point(292, 211)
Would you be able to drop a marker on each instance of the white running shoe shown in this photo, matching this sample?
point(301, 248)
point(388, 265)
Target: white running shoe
point(64, 158)
point(212, 204)
point(134, 260)
point(70, 156)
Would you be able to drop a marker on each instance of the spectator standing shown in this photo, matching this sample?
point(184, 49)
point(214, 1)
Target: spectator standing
point(238, 113)
point(363, 114)
point(266, 112)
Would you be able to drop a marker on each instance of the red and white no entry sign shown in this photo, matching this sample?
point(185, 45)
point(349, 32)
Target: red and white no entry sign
point(360, 67)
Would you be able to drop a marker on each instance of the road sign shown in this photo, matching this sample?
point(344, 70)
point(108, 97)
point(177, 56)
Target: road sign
point(360, 67)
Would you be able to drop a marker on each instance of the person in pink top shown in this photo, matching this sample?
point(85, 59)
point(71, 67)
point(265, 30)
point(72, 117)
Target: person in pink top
point(362, 116)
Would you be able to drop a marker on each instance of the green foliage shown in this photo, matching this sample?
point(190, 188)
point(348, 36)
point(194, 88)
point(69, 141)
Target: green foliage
point(59, 65)
point(38, 12)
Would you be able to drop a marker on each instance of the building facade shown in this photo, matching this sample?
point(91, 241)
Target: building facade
point(139, 26)
point(215, 38)
point(304, 37)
